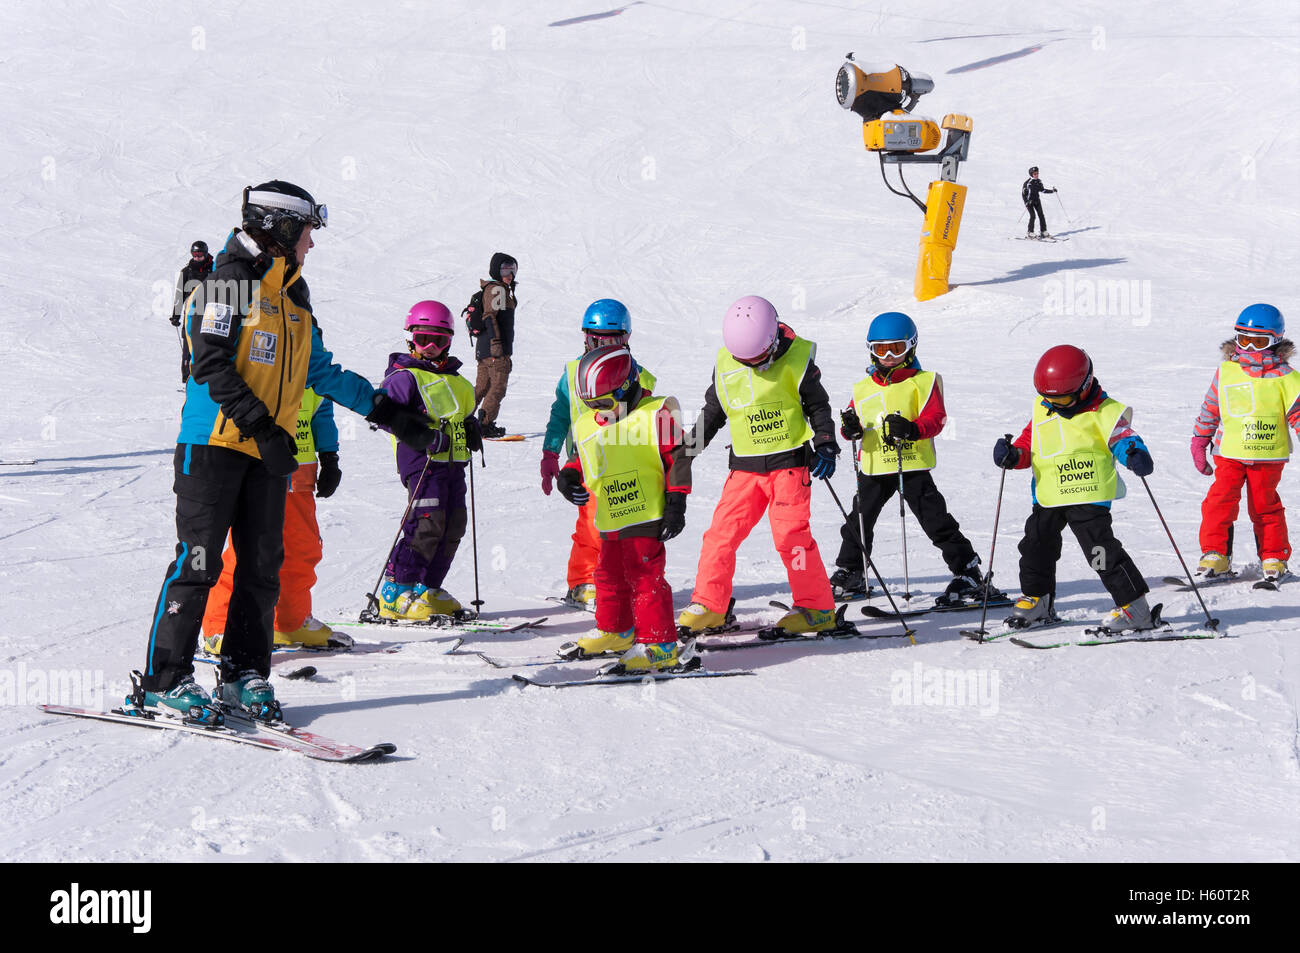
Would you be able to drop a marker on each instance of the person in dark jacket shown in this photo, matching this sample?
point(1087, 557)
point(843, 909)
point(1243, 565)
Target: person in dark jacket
point(495, 342)
point(1029, 194)
point(257, 347)
point(196, 269)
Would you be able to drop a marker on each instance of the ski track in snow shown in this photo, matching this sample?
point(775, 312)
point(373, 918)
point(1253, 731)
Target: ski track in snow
point(675, 159)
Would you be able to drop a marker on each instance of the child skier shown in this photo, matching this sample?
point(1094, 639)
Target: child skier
point(494, 344)
point(427, 378)
point(1075, 434)
point(1253, 398)
point(904, 411)
point(628, 458)
point(605, 322)
point(767, 389)
point(316, 435)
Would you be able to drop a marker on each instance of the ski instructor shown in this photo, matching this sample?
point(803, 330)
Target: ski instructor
point(256, 347)
point(1030, 194)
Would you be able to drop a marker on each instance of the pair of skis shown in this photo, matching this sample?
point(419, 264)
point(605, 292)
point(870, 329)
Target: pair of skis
point(1272, 584)
point(1160, 631)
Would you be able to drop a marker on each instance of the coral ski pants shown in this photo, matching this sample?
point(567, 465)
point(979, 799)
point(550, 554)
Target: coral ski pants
point(785, 495)
point(302, 554)
point(586, 547)
point(1222, 503)
point(631, 592)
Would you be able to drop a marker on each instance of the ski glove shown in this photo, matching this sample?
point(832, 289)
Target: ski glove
point(409, 426)
point(1200, 455)
point(550, 469)
point(850, 425)
point(898, 428)
point(276, 448)
point(176, 320)
point(1139, 461)
point(674, 518)
point(1005, 454)
point(473, 434)
point(571, 488)
point(823, 465)
point(329, 474)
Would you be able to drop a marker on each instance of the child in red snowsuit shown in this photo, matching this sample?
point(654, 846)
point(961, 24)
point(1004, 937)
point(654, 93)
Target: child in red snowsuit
point(1253, 398)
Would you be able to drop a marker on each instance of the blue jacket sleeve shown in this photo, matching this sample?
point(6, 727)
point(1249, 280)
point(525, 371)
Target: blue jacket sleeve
point(557, 428)
point(1126, 445)
point(323, 430)
point(329, 380)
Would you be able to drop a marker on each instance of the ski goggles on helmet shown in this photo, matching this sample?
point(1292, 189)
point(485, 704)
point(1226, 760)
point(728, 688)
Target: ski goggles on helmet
point(508, 271)
point(763, 361)
point(1255, 340)
point(595, 339)
point(885, 349)
point(198, 254)
point(315, 215)
point(431, 340)
point(609, 401)
point(1060, 400)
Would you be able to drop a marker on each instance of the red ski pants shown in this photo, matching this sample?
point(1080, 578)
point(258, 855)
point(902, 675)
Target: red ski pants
point(1219, 510)
point(631, 592)
point(786, 496)
point(586, 546)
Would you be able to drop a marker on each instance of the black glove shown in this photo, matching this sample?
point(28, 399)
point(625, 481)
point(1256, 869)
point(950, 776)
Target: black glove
point(409, 426)
point(674, 518)
point(850, 425)
point(329, 474)
point(899, 428)
point(1139, 461)
point(1005, 455)
point(473, 434)
point(276, 448)
point(823, 465)
point(571, 488)
point(176, 320)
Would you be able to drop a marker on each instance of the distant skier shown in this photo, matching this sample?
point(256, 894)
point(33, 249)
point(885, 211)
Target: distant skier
point(256, 348)
point(1253, 399)
point(1029, 194)
point(629, 459)
point(767, 391)
point(605, 322)
point(196, 269)
point(898, 409)
point(494, 343)
point(1075, 435)
point(427, 378)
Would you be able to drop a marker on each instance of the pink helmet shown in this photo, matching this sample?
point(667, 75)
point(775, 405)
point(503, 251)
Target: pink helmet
point(430, 316)
point(749, 328)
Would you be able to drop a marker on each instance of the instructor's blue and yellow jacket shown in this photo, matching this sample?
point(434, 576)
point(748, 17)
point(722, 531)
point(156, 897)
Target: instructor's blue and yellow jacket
point(256, 347)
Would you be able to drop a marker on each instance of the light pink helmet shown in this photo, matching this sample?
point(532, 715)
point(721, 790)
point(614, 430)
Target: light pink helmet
point(749, 329)
point(430, 316)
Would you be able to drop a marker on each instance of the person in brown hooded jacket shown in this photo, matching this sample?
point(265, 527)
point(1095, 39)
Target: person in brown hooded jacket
point(495, 342)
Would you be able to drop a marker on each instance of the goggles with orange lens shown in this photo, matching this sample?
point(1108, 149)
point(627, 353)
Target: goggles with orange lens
point(884, 349)
point(430, 341)
point(1062, 400)
point(1254, 342)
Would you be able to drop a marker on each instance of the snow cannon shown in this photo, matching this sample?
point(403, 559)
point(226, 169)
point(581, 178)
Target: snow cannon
point(884, 97)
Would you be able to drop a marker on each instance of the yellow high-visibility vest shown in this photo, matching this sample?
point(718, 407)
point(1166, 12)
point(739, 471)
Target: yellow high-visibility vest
point(764, 411)
point(621, 466)
point(874, 402)
point(1253, 413)
point(446, 397)
point(1071, 459)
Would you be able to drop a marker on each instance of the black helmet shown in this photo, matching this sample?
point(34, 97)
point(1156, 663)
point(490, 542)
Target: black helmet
point(1033, 170)
point(280, 210)
point(199, 248)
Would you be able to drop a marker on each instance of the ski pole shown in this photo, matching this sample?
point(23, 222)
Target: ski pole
point(902, 521)
point(993, 548)
point(1063, 211)
point(371, 612)
point(473, 528)
point(1210, 623)
point(862, 520)
point(875, 572)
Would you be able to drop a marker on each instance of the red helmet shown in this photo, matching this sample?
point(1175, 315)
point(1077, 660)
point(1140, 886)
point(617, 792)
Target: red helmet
point(605, 376)
point(1063, 370)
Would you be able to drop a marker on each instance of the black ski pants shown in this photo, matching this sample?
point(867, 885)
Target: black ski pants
point(1091, 524)
point(1036, 208)
point(927, 505)
point(219, 491)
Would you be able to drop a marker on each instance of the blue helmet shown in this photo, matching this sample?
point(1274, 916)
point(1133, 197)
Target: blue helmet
point(1262, 319)
point(893, 326)
point(607, 316)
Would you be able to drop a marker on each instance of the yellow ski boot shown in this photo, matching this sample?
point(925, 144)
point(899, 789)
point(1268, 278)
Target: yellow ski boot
point(798, 621)
point(648, 657)
point(1212, 564)
point(212, 644)
point(312, 634)
point(581, 597)
point(696, 618)
point(395, 599)
point(432, 602)
point(1274, 568)
point(602, 643)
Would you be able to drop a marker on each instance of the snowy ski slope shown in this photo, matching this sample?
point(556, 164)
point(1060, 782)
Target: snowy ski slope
point(676, 156)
